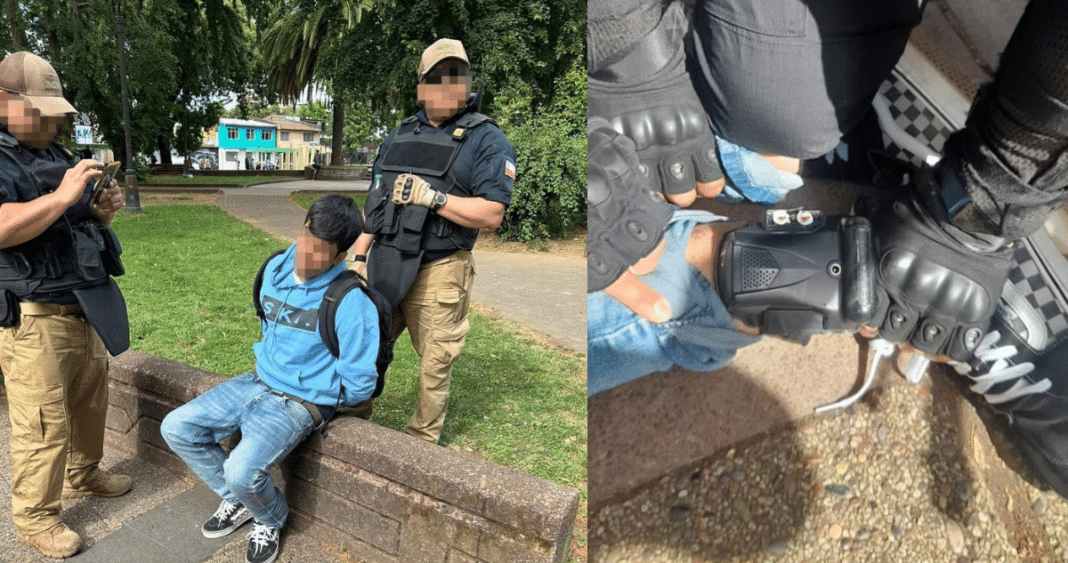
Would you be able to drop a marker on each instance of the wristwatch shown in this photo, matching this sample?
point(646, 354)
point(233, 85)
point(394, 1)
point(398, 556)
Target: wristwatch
point(439, 200)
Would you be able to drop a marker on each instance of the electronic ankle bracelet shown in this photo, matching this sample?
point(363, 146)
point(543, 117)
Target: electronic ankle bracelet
point(799, 273)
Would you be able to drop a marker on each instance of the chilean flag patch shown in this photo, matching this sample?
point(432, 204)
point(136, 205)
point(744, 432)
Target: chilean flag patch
point(509, 169)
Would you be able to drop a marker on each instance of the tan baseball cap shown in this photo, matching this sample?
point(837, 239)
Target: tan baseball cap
point(36, 81)
point(441, 49)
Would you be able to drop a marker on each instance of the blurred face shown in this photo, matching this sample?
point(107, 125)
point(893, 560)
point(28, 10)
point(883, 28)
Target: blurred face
point(444, 90)
point(315, 255)
point(27, 124)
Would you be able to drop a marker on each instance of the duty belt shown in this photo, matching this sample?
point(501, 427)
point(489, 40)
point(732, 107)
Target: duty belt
point(35, 309)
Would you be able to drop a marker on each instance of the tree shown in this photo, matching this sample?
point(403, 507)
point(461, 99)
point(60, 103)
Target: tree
point(182, 54)
point(292, 49)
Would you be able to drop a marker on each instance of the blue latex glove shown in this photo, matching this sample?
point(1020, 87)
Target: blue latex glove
point(751, 178)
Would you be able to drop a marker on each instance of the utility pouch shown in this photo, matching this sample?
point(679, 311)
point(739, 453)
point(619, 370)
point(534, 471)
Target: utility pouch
point(9, 308)
point(87, 247)
point(112, 252)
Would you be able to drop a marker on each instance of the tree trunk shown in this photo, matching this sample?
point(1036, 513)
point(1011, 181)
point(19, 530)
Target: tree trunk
point(338, 133)
point(18, 36)
point(164, 150)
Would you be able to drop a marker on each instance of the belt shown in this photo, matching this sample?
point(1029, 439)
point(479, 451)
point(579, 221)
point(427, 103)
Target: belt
point(35, 309)
point(317, 417)
point(313, 410)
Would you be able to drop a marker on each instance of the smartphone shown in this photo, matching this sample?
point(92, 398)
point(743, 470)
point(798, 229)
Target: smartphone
point(104, 181)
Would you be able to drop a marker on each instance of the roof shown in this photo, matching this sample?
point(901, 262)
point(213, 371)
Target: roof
point(287, 123)
point(246, 123)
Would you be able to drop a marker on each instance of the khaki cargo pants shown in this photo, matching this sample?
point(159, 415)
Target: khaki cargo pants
point(55, 370)
point(435, 313)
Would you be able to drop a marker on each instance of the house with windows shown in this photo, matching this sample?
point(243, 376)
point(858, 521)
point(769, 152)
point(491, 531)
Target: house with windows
point(246, 144)
point(299, 140)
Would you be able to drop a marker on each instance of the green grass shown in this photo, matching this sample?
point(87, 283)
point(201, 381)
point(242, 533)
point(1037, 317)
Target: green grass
point(189, 271)
point(215, 180)
point(305, 198)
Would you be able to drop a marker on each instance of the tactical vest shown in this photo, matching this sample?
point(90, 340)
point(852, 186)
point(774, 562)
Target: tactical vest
point(74, 252)
point(411, 228)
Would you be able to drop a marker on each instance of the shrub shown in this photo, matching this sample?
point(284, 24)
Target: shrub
point(549, 198)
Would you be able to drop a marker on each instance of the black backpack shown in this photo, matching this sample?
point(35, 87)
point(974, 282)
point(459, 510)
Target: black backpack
point(339, 287)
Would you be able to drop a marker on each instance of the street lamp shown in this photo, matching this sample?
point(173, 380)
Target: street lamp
point(133, 202)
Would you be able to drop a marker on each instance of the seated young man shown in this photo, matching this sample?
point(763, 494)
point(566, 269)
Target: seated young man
point(295, 373)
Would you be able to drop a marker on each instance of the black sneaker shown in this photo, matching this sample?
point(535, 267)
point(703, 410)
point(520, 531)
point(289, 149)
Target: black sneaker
point(226, 519)
point(1019, 366)
point(262, 544)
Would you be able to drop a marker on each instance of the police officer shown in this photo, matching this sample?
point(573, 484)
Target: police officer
point(56, 254)
point(439, 177)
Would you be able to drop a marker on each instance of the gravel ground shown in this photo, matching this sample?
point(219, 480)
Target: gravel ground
point(911, 474)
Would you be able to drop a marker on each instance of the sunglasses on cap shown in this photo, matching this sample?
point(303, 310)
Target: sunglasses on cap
point(437, 74)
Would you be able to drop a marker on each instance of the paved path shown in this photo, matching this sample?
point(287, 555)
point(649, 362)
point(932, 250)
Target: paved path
point(543, 292)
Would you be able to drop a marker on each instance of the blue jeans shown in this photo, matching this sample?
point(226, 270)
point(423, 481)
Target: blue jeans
point(271, 426)
point(699, 337)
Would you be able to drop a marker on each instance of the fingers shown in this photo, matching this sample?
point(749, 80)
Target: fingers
point(640, 298)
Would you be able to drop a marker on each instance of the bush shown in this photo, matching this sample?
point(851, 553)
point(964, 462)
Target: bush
point(549, 198)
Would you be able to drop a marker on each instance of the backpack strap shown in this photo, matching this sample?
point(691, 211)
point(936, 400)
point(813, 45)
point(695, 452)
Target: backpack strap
point(257, 285)
point(339, 287)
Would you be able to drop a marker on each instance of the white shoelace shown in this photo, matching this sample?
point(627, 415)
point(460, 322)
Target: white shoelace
point(225, 511)
point(999, 370)
point(261, 535)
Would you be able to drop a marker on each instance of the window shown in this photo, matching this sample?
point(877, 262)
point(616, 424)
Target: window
point(267, 135)
point(284, 136)
point(309, 137)
point(231, 132)
point(250, 134)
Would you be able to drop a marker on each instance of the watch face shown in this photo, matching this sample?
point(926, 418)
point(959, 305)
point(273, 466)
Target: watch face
point(440, 199)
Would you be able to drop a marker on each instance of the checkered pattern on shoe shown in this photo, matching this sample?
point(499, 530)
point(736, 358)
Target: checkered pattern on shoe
point(915, 115)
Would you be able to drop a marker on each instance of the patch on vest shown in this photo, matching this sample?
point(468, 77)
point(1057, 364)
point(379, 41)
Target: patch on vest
point(288, 315)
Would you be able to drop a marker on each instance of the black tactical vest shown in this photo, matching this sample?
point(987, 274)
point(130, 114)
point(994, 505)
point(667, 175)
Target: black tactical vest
point(75, 252)
point(411, 228)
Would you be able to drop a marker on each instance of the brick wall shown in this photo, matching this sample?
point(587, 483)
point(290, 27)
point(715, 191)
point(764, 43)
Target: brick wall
point(381, 494)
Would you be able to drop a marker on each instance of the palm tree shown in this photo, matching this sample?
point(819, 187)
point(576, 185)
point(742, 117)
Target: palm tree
point(292, 48)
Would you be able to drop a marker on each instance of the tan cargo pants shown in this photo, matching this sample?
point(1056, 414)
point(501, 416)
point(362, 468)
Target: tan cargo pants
point(435, 313)
point(55, 370)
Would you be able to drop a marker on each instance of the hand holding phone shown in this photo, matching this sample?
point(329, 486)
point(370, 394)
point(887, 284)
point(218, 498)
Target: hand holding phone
point(104, 181)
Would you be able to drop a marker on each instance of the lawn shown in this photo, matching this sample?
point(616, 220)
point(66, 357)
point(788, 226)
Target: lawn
point(189, 271)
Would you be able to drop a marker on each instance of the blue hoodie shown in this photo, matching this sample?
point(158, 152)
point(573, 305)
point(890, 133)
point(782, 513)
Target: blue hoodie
point(292, 357)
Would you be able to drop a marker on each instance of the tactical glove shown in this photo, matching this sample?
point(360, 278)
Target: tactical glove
point(626, 219)
point(648, 96)
point(411, 189)
point(937, 288)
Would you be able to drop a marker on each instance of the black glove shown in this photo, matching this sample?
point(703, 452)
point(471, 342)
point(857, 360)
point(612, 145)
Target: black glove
point(626, 219)
point(648, 96)
point(937, 289)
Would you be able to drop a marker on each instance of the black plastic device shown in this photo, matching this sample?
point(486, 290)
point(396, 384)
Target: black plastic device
point(799, 273)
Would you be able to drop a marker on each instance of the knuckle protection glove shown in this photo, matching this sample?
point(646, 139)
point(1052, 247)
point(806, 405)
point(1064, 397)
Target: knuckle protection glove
point(626, 219)
point(648, 96)
point(411, 189)
point(935, 292)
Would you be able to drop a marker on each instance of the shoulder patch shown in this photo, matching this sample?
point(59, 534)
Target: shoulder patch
point(509, 169)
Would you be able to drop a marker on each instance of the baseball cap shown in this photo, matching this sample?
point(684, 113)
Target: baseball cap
point(36, 81)
point(440, 50)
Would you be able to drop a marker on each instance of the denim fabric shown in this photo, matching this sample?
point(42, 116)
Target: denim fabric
point(271, 426)
point(752, 178)
point(699, 337)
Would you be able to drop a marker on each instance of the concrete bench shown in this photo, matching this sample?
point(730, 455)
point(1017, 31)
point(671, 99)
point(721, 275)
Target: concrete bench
point(381, 494)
